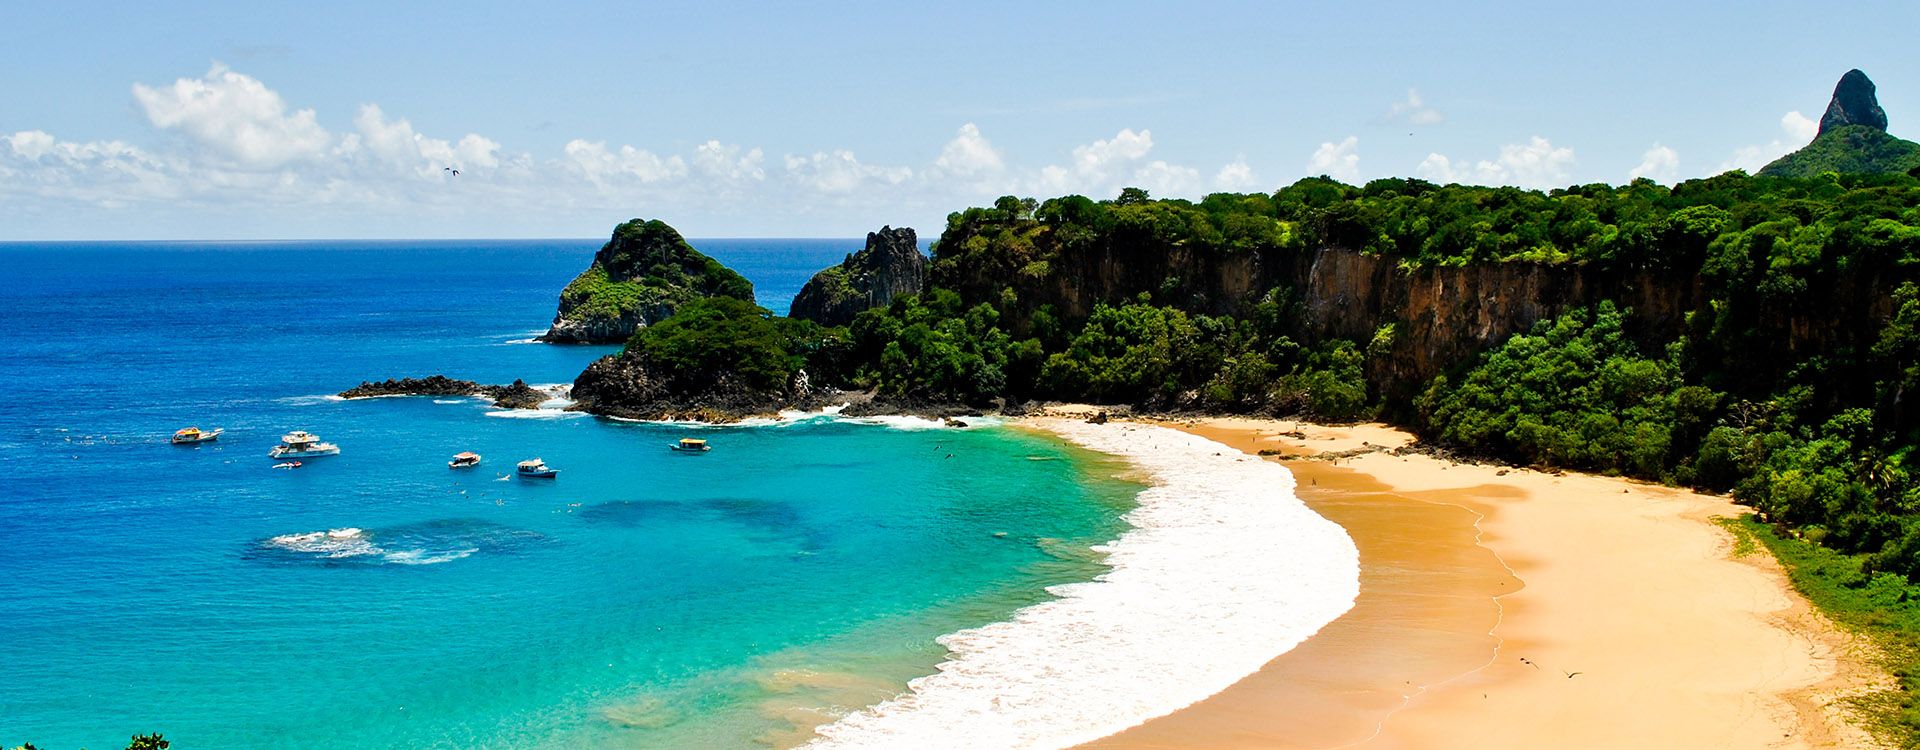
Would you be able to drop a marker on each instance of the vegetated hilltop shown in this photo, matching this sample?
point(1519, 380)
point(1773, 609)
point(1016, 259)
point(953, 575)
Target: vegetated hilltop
point(1853, 137)
point(641, 276)
point(889, 266)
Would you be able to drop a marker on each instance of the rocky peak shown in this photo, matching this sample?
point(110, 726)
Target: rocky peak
point(644, 272)
point(889, 266)
point(1854, 103)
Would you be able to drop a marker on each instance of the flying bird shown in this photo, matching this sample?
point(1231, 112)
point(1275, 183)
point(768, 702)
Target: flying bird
point(451, 170)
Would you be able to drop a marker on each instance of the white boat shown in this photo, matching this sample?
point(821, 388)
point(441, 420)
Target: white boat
point(195, 435)
point(691, 445)
point(536, 469)
point(302, 444)
point(464, 460)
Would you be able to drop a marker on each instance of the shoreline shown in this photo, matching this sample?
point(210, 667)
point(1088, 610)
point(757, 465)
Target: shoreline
point(1222, 569)
point(1504, 607)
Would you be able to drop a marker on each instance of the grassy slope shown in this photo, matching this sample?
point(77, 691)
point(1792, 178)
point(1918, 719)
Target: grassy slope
point(1854, 149)
point(1883, 608)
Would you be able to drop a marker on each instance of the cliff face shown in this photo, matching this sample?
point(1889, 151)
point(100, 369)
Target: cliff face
point(643, 273)
point(1423, 322)
point(889, 266)
point(1417, 323)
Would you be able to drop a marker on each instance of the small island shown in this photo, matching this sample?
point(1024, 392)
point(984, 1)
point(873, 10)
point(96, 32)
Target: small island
point(515, 395)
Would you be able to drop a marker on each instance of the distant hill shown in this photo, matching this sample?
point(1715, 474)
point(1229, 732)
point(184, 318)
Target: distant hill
point(1853, 138)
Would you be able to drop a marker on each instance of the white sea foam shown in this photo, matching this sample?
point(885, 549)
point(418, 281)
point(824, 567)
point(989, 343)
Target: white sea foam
point(1223, 570)
point(313, 400)
point(333, 543)
point(450, 400)
point(537, 414)
point(422, 557)
point(336, 544)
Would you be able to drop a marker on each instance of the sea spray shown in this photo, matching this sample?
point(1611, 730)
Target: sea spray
point(1224, 570)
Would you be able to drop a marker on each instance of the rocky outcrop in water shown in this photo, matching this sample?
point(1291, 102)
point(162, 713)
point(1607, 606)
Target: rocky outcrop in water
point(889, 266)
point(643, 273)
point(516, 395)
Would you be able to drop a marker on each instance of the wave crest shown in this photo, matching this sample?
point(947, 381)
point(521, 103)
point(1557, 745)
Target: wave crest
point(1224, 570)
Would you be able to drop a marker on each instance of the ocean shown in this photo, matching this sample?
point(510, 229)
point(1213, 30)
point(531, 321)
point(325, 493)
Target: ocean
point(644, 599)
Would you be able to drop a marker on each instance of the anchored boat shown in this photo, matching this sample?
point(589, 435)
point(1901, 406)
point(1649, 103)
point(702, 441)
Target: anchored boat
point(464, 460)
point(536, 469)
point(195, 435)
point(302, 444)
point(691, 445)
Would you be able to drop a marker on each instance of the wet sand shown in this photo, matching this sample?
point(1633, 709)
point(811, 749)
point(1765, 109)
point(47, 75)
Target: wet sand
point(1514, 609)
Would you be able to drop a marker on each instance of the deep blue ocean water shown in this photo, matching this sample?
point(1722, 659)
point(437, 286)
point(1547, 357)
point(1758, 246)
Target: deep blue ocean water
point(376, 599)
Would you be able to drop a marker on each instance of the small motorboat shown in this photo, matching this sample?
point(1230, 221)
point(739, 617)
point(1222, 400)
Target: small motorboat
point(287, 465)
point(536, 469)
point(195, 435)
point(691, 445)
point(464, 460)
point(302, 444)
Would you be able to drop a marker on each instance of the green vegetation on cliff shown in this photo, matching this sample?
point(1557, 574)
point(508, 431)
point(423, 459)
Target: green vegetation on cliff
point(722, 335)
point(1848, 149)
point(643, 273)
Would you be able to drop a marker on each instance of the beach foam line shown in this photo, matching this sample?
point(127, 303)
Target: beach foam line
point(541, 413)
point(1223, 570)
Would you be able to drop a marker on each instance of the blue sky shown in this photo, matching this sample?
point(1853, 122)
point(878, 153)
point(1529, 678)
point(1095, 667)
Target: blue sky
point(218, 120)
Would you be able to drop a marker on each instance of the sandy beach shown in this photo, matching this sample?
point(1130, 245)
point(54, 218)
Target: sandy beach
point(1508, 608)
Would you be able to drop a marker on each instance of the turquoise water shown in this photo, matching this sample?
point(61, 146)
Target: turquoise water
point(377, 599)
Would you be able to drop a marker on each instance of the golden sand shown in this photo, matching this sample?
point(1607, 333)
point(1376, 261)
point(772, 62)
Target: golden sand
point(1515, 609)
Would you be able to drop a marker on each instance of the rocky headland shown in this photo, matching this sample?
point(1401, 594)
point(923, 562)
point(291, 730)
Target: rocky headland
point(889, 266)
point(642, 275)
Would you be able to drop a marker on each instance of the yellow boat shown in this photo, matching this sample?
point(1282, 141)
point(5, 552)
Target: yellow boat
point(690, 445)
point(192, 435)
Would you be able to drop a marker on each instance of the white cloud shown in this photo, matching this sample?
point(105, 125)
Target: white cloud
point(235, 116)
point(1102, 167)
point(1340, 161)
point(1235, 177)
point(1799, 126)
point(1166, 180)
point(1535, 164)
point(839, 172)
point(1796, 130)
point(729, 161)
point(599, 165)
point(1660, 164)
point(397, 144)
point(969, 154)
point(1098, 157)
point(1414, 110)
point(234, 153)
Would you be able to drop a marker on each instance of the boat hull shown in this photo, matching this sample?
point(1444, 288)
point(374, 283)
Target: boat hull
point(548, 474)
point(278, 453)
